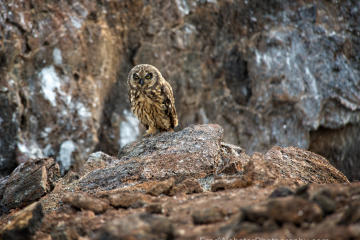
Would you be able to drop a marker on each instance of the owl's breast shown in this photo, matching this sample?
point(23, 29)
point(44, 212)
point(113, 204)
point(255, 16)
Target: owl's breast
point(143, 98)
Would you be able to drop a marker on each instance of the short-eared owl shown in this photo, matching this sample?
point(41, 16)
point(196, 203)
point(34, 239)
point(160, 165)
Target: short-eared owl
point(151, 99)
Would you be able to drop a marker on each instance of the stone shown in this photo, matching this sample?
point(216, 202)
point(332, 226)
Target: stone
point(24, 224)
point(281, 192)
point(95, 161)
point(70, 177)
point(85, 201)
point(294, 210)
point(175, 150)
point(192, 185)
point(64, 233)
point(231, 168)
point(231, 183)
point(161, 187)
point(258, 213)
point(154, 208)
point(207, 216)
point(230, 155)
point(232, 225)
point(249, 227)
point(270, 225)
point(294, 163)
point(177, 189)
point(187, 186)
point(191, 153)
point(138, 204)
point(29, 182)
point(302, 191)
point(138, 226)
point(351, 214)
point(125, 200)
point(327, 204)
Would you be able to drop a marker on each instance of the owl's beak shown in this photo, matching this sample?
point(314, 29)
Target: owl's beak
point(142, 82)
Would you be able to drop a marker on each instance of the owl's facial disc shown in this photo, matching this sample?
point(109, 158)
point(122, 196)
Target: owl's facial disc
point(142, 78)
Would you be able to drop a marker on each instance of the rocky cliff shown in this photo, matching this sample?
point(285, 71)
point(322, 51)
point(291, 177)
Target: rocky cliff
point(270, 72)
point(183, 185)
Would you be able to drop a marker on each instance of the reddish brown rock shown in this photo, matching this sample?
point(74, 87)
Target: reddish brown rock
point(208, 215)
point(63, 232)
point(192, 185)
point(352, 214)
point(154, 208)
point(325, 201)
point(84, 201)
point(295, 210)
point(256, 213)
point(95, 161)
point(231, 168)
point(24, 224)
point(281, 192)
point(193, 151)
point(126, 200)
point(29, 182)
point(233, 159)
point(294, 165)
point(139, 226)
point(163, 187)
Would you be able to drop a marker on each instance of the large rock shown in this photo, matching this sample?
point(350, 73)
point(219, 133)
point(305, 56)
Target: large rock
point(192, 151)
point(29, 182)
point(145, 164)
point(274, 73)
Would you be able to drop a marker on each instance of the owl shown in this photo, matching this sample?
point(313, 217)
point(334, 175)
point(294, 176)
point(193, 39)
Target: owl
point(151, 99)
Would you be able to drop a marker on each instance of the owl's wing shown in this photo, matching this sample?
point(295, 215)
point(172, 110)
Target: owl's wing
point(169, 102)
point(131, 100)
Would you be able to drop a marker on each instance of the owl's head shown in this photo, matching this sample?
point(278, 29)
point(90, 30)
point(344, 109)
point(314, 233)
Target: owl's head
point(143, 76)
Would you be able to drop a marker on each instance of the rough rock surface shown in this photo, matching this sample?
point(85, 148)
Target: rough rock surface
point(271, 73)
point(29, 182)
point(83, 201)
point(24, 224)
point(174, 186)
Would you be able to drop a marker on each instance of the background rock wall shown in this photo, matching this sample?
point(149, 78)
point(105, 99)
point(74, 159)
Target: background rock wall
point(269, 72)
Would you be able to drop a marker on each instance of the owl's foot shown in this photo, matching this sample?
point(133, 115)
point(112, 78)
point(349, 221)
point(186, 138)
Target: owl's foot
point(151, 133)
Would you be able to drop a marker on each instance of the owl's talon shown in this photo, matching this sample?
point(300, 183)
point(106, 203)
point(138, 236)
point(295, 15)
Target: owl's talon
point(152, 134)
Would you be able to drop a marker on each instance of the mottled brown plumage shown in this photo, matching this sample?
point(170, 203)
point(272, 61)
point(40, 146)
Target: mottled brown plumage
point(151, 99)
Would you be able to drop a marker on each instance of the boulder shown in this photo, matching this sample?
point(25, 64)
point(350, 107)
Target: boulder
point(29, 182)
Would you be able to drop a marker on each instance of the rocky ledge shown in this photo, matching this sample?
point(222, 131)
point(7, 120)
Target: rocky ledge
point(183, 185)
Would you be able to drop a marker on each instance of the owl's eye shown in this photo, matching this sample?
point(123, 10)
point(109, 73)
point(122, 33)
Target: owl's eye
point(148, 76)
point(136, 76)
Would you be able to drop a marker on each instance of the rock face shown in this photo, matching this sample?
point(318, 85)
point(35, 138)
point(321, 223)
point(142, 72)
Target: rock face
point(183, 185)
point(275, 73)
